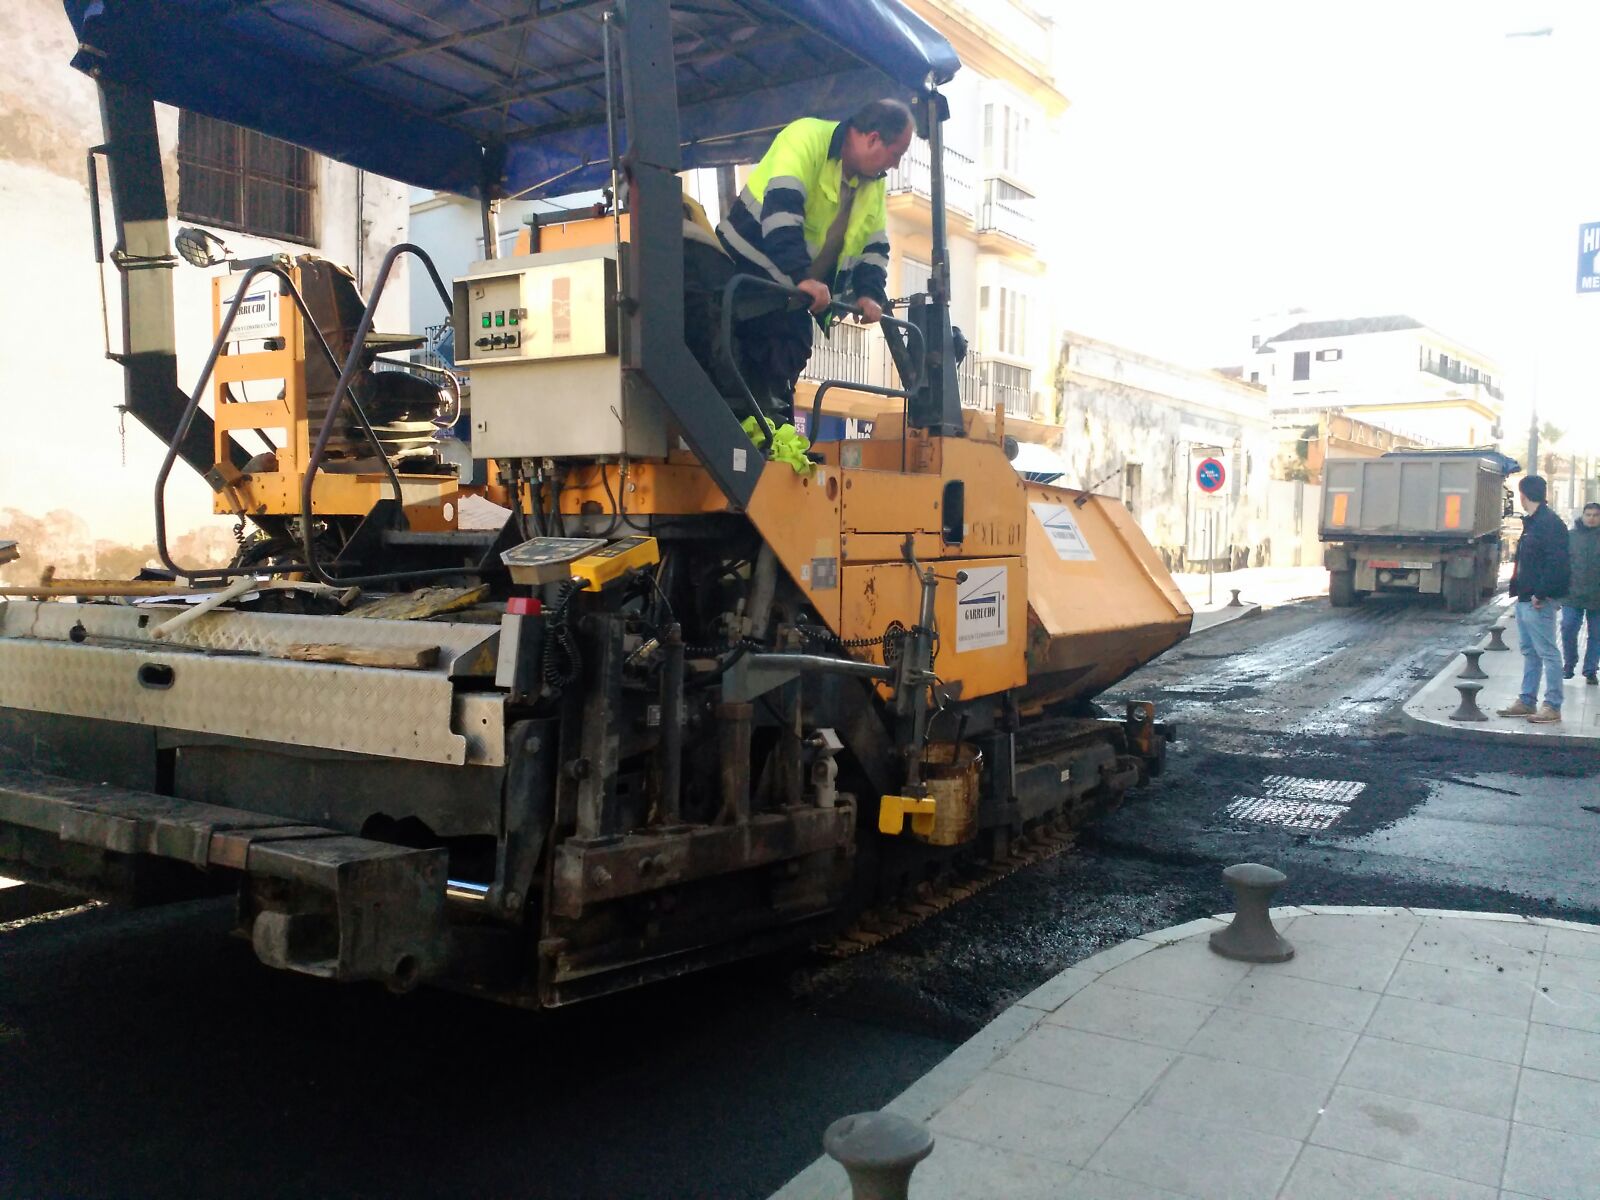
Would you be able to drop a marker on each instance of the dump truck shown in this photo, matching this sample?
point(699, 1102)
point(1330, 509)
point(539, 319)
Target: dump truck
point(1421, 521)
point(685, 703)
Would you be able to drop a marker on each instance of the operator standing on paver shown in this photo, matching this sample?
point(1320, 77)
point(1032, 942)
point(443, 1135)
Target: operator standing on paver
point(1581, 606)
point(811, 216)
point(1540, 579)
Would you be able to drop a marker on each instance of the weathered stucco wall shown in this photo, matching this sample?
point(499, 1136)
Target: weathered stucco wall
point(63, 449)
point(1136, 427)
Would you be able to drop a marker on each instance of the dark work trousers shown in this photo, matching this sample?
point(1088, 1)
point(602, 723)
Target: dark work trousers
point(772, 343)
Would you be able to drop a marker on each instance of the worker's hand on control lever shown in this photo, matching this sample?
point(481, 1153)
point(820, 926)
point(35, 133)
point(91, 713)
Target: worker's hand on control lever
point(818, 291)
point(869, 310)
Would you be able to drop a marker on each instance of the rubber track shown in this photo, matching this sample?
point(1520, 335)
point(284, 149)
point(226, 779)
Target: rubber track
point(879, 925)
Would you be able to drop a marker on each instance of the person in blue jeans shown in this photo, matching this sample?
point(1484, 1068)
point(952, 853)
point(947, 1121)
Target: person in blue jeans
point(1581, 605)
point(1539, 580)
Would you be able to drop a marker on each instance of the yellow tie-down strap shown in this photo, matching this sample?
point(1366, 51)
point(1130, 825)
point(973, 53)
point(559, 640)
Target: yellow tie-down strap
point(893, 811)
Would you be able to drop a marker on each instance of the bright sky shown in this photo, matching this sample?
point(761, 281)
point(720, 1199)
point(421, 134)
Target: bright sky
point(1227, 159)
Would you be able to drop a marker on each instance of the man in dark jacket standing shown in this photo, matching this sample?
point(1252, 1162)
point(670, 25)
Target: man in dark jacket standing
point(1581, 605)
point(1539, 580)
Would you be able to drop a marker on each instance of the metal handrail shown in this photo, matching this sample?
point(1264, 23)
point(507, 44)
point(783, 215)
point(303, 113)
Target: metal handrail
point(793, 293)
point(351, 364)
point(193, 406)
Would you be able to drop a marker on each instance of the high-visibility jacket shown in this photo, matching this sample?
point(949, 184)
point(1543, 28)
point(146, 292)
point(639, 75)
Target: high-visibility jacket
point(777, 226)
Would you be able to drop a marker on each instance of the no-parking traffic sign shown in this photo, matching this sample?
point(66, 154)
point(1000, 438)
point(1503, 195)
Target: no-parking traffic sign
point(1210, 475)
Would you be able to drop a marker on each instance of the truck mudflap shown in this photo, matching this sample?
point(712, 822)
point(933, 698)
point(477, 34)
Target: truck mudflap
point(312, 900)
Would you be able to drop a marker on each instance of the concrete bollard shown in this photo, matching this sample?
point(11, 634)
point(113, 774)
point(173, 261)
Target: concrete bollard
point(1472, 670)
point(1469, 710)
point(1496, 642)
point(878, 1150)
point(1251, 937)
point(1235, 602)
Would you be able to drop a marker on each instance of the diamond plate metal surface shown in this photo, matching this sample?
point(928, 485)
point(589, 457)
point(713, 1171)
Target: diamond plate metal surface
point(242, 632)
point(363, 710)
point(1294, 802)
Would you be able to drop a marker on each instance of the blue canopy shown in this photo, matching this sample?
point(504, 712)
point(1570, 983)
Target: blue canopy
point(506, 96)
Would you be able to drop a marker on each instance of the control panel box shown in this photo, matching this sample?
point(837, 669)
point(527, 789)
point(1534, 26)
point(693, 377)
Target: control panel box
point(530, 308)
point(538, 334)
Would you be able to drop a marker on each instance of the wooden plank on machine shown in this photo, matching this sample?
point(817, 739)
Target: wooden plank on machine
point(404, 658)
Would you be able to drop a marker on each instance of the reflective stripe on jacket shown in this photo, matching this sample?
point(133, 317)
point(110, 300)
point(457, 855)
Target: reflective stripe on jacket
point(781, 219)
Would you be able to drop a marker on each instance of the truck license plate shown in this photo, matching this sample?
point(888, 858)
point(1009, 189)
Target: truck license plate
point(1401, 565)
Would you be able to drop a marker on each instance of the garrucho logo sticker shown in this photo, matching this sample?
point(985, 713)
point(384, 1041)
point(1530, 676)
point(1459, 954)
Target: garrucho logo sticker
point(981, 609)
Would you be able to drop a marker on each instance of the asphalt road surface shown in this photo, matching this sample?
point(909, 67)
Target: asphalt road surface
point(147, 1054)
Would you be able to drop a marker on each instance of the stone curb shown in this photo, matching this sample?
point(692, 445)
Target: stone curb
point(824, 1179)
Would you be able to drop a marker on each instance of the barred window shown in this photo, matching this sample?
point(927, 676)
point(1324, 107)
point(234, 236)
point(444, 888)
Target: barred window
point(239, 179)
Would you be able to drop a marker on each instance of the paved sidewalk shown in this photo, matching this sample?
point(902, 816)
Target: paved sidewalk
point(1259, 588)
point(1437, 699)
point(1402, 1053)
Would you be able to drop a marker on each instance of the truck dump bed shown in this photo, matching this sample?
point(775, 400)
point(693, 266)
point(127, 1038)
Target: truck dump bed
point(1414, 496)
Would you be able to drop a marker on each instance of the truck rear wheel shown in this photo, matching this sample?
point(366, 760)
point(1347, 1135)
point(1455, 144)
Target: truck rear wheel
point(1460, 595)
point(1342, 589)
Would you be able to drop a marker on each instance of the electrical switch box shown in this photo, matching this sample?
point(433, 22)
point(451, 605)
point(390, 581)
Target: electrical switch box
point(539, 335)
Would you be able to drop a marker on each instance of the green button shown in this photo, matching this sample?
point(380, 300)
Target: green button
point(514, 316)
point(500, 318)
point(486, 320)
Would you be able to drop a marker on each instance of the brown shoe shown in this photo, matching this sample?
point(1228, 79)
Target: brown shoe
point(1516, 709)
point(1545, 716)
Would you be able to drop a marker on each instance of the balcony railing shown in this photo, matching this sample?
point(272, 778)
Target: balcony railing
point(856, 354)
point(986, 383)
point(1008, 218)
point(844, 354)
point(914, 175)
point(1466, 376)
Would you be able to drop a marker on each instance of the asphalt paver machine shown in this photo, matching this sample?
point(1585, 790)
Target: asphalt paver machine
point(685, 703)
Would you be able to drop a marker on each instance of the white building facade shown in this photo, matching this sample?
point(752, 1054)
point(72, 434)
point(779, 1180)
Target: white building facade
point(1392, 371)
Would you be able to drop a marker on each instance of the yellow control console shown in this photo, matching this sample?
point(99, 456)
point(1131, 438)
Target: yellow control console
point(616, 559)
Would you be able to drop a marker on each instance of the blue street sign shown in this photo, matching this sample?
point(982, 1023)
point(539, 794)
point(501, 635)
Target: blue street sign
point(1589, 257)
point(1210, 476)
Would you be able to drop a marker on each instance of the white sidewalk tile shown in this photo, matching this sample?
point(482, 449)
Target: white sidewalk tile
point(1562, 970)
point(1087, 1062)
point(1294, 1047)
point(1091, 1185)
point(1161, 1071)
point(1012, 1113)
point(1454, 1029)
point(1551, 1165)
point(1384, 932)
point(1324, 1174)
point(1274, 995)
point(1477, 1085)
point(1137, 1016)
point(1053, 993)
point(1568, 1006)
point(1449, 946)
point(1191, 1156)
point(1475, 991)
point(1187, 971)
point(1560, 1102)
point(959, 1169)
point(1237, 1097)
point(1179, 933)
point(1573, 943)
point(1488, 928)
point(1565, 1051)
point(1332, 962)
point(1429, 1137)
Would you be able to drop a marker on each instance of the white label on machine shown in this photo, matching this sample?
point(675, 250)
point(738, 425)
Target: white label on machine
point(981, 609)
point(1065, 535)
point(258, 312)
point(738, 458)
